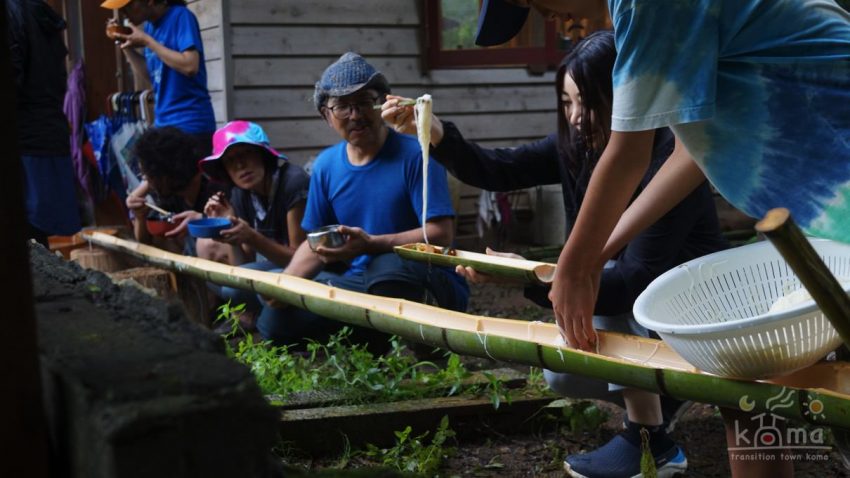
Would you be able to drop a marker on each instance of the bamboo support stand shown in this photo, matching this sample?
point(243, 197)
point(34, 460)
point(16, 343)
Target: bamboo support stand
point(824, 288)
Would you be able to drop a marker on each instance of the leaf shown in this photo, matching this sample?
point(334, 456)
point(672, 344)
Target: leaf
point(559, 403)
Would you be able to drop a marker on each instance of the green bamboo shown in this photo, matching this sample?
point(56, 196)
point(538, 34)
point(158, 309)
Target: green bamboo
point(520, 270)
point(824, 382)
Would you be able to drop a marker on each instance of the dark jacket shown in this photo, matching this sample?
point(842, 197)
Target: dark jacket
point(688, 231)
point(37, 48)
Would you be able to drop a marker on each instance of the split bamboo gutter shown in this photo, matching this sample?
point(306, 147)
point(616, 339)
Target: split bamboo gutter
point(632, 361)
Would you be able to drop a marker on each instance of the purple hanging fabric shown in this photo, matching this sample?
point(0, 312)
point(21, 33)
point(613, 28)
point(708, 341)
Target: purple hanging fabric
point(75, 111)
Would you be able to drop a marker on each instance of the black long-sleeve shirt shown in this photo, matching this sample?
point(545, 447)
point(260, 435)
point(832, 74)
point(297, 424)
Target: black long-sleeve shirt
point(688, 231)
point(37, 49)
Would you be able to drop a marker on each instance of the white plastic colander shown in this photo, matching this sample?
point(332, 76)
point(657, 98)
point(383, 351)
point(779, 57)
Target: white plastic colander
point(713, 311)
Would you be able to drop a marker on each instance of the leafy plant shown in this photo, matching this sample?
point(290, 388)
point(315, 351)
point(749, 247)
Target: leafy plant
point(496, 390)
point(536, 380)
point(340, 365)
point(230, 314)
point(414, 454)
point(579, 416)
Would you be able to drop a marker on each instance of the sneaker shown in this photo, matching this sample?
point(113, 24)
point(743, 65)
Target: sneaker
point(620, 458)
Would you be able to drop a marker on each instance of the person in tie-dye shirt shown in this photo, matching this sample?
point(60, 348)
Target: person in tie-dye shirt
point(757, 93)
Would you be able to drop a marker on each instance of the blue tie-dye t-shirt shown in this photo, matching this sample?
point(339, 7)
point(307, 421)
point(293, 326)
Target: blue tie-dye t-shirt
point(757, 90)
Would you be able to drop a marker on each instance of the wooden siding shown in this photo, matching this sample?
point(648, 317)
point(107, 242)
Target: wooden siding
point(279, 50)
point(213, 25)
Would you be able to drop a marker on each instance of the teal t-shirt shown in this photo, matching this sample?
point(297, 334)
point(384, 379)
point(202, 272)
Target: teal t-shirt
point(757, 90)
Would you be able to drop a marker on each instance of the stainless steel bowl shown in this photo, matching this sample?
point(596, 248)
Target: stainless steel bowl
point(327, 236)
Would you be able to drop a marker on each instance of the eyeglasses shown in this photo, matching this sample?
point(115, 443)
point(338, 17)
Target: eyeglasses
point(345, 110)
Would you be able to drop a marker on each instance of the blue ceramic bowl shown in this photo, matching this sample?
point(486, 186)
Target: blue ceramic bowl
point(209, 227)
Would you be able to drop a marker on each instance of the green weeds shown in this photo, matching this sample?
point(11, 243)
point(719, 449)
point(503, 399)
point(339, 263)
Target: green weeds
point(339, 365)
point(415, 453)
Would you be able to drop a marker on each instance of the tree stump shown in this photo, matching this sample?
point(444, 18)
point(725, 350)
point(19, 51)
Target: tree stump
point(197, 299)
point(98, 259)
point(158, 280)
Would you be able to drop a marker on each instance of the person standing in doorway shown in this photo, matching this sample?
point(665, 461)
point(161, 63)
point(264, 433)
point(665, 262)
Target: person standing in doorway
point(38, 53)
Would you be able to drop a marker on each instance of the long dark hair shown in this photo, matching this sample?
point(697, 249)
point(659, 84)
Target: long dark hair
point(590, 64)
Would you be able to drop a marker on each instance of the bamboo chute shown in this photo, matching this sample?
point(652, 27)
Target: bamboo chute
point(628, 360)
point(507, 267)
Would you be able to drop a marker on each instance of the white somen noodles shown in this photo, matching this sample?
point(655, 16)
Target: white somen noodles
point(792, 299)
point(422, 115)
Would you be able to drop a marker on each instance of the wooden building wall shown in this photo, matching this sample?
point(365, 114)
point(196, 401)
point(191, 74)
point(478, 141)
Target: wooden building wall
point(279, 50)
point(212, 19)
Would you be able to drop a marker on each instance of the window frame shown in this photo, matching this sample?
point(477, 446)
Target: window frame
point(537, 58)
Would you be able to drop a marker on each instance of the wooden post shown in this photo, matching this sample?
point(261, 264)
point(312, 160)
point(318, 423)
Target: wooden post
point(824, 288)
point(23, 427)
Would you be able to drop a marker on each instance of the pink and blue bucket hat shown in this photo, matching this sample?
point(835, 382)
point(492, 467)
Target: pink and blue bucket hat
point(236, 132)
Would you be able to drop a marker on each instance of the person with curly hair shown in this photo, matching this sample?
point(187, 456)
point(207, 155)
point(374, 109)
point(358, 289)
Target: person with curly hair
point(173, 184)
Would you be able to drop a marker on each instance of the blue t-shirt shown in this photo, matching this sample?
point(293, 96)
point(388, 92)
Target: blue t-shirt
point(181, 101)
point(381, 197)
point(757, 90)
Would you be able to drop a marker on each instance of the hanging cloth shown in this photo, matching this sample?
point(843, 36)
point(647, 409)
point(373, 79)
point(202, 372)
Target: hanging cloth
point(75, 110)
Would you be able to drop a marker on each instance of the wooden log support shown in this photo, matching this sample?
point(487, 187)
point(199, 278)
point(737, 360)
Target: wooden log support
point(328, 429)
point(98, 259)
point(318, 423)
point(161, 281)
point(824, 288)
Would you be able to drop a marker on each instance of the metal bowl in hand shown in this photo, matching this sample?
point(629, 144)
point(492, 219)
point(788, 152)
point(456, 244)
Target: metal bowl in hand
point(327, 236)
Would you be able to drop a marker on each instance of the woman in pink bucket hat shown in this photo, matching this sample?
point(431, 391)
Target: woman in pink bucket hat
point(265, 206)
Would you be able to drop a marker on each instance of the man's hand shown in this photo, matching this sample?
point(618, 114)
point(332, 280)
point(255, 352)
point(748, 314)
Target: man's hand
point(476, 277)
point(137, 38)
point(182, 219)
point(401, 118)
point(357, 243)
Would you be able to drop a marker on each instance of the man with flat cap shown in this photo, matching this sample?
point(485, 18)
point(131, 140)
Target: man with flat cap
point(370, 184)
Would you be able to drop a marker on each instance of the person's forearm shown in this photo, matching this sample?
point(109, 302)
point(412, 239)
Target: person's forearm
point(440, 232)
point(305, 263)
point(141, 79)
point(678, 177)
point(140, 230)
point(614, 181)
point(497, 169)
point(186, 63)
